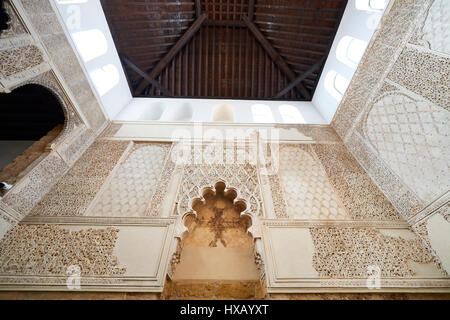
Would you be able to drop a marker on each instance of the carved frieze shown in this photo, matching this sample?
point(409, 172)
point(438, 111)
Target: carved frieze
point(348, 252)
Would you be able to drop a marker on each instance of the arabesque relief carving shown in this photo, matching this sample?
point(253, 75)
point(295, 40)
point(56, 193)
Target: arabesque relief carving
point(348, 252)
point(48, 250)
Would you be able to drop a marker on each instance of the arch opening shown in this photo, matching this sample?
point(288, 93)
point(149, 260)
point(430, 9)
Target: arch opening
point(31, 118)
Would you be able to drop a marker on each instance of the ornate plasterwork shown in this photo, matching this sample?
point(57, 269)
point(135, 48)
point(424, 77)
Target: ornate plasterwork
point(417, 76)
point(412, 136)
point(306, 189)
point(348, 252)
point(350, 185)
point(29, 190)
point(67, 148)
point(434, 32)
point(19, 59)
point(289, 223)
point(24, 63)
point(110, 130)
point(362, 198)
point(72, 121)
point(393, 32)
point(401, 197)
point(420, 228)
point(77, 188)
point(278, 200)
point(9, 214)
point(20, 56)
point(133, 184)
point(156, 203)
point(197, 176)
point(49, 250)
point(8, 218)
point(46, 28)
point(218, 218)
point(425, 74)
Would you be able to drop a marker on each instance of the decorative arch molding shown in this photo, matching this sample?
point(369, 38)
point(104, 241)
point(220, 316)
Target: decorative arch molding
point(195, 177)
point(72, 120)
point(241, 203)
point(73, 140)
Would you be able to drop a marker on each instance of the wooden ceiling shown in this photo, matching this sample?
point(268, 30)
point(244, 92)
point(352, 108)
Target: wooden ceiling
point(240, 49)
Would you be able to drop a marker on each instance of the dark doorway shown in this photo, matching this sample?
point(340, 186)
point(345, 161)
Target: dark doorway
point(31, 117)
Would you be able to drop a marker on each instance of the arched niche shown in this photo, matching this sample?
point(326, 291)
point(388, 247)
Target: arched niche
point(31, 119)
point(223, 113)
point(218, 241)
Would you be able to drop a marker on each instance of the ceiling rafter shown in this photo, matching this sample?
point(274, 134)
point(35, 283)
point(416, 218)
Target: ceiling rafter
point(273, 53)
point(299, 79)
point(173, 51)
point(145, 75)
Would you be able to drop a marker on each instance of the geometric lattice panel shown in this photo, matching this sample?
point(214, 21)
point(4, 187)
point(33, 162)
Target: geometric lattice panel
point(436, 30)
point(129, 192)
point(412, 137)
point(306, 188)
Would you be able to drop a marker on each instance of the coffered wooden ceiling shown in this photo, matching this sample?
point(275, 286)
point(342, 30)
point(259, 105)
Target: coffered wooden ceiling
point(240, 49)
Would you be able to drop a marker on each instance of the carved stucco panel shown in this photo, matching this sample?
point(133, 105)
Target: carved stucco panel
point(434, 32)
point(411, 136)
point(306, 188)
point(425, 74)
point(348, 252)
point(359, 194)
point(131, 188)
point(19, 59)
point(405, 201)
point(74, 192)
point(36, 183)
point(394, 30)
point(49, 250)
point(156, 203)
point(52, 37)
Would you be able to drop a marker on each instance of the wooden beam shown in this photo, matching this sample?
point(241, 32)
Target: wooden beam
point(145, 76)
point(198, 8)
point(299, 79)
point(173, 51)
point(251, 10)
point(275, 56)
point(225, 23)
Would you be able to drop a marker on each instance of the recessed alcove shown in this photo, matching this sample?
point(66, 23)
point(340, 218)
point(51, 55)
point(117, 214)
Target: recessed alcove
point(217, 250)
point(217, 244)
